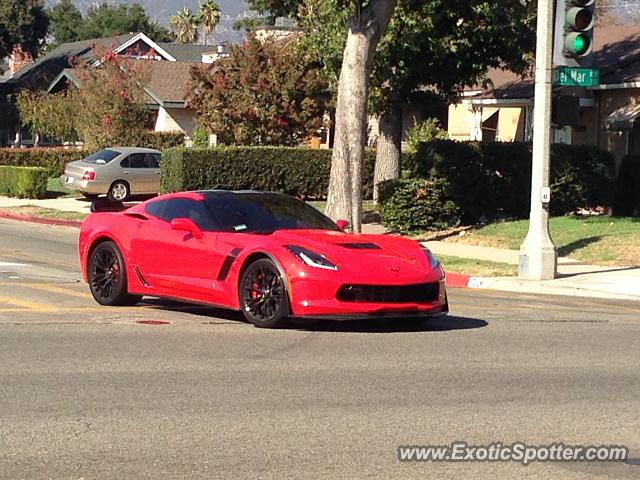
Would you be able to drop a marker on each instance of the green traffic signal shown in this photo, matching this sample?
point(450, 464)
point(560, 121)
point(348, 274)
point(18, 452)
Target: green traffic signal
point(577, 44)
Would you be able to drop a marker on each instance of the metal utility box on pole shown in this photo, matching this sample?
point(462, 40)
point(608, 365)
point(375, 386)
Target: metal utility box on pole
point(538, 257)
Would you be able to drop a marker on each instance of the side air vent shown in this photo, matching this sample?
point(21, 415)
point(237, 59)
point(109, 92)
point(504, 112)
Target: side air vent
point(360, 246)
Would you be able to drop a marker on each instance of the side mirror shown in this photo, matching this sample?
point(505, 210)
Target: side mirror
point(187, 225)
point(342, 224)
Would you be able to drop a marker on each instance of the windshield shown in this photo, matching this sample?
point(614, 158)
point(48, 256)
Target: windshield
point(101, 156)
point(264, 213)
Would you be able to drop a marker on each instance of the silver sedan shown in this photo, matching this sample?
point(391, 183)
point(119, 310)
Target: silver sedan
point(117, 172)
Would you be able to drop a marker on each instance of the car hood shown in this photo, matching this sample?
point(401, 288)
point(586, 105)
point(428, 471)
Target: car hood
point(353, 251)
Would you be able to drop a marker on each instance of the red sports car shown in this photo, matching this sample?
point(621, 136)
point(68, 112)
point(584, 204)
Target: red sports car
point(267, 254)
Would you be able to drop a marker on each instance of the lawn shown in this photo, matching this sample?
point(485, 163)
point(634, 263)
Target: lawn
point(56, 190)
point(42, 212)
point(477, 268)
point(601, 240)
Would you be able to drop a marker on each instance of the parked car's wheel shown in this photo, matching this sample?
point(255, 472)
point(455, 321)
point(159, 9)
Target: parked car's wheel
point(263, 295)
point(119, 191)
point(108, 276)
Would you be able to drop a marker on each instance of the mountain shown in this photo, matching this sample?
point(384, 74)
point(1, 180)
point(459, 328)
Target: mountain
point(161, 10)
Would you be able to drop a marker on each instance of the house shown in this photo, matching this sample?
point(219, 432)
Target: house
point(167, 65)
point(608, 113)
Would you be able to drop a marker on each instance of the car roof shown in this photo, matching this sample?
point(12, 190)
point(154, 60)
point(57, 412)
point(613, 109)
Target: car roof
point(133, 150)
point(203, 194)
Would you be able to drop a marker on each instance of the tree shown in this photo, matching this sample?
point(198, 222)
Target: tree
point(366, 22)
point(106, 109)
point(429, 45)
point(365, 27)
point(101, 20)
point(106, 20)
point(453, 42)
point(209, 17)
point(262, 94)
point(22, 23)
point(65, 22)
point(185, 26)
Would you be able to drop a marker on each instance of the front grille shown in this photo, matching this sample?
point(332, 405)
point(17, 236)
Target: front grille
point(418, 293)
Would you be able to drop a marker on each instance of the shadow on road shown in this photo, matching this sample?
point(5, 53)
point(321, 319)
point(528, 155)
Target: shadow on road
point(436, 324)
point(212, 316)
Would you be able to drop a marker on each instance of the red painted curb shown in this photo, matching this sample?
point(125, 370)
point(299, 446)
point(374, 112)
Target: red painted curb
point(457, 280)
point(40, 220)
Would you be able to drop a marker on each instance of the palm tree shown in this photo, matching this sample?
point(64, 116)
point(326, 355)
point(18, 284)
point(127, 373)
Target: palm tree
point(209, 17)
point(185, 26)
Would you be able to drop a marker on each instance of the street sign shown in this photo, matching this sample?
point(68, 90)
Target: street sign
point(576, 77)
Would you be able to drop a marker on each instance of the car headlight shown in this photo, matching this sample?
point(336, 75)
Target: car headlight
point(311, 258)
point(431, 258)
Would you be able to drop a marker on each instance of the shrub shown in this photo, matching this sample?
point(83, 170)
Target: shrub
point(425, 131)
point(23, 182)
point(416, 204)
point(53, 159)
point(302, 172)
point(493, 179)
point(199, 138)
point(157, 140)
point(461, 164)
point(627, 196)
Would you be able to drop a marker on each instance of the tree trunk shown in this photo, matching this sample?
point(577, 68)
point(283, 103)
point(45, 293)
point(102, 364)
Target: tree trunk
point(388, 148)
point(344, 200)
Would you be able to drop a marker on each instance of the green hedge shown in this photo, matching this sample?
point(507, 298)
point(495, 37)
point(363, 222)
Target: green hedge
point(23, 182)
point(627, 197)
point(53, 159)
point(493, 179)
point(302, 172)
point(417, 204)
point(489, 180)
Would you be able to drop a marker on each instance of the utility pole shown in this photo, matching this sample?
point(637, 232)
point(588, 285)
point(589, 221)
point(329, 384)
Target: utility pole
point(538, 257)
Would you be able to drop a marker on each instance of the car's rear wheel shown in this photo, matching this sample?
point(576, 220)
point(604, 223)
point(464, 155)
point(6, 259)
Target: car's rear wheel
point(107, 276)
point(263, 295)
point(119, 191)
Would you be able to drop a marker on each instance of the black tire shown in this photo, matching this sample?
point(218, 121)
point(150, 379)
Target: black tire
point(107, 276)
point(262, 294)
point(119, 191)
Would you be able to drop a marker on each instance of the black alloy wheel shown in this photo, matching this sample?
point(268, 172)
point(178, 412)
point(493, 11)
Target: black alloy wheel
point(263, 295)
point(107, 276)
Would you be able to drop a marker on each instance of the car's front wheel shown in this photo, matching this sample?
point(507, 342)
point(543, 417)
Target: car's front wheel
point(119, 191)
point(263, 295)
point(107, 276)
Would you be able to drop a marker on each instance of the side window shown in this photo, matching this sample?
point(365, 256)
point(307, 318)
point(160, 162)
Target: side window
point(153, 160)
point(156, 209)
point(192, 209)
point(125, 162)
point(137, 160)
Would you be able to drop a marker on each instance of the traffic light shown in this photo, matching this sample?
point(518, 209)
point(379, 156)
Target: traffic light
point(573, 34)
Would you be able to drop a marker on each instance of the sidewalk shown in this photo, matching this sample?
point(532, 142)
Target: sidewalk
point(575, 278)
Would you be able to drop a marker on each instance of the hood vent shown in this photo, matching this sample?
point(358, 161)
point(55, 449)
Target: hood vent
point(360, 246)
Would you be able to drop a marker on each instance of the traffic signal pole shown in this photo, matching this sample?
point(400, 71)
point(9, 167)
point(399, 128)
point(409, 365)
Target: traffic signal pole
point(538, 257)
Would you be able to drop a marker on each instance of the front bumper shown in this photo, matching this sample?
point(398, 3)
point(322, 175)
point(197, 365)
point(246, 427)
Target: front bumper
point(316, 298)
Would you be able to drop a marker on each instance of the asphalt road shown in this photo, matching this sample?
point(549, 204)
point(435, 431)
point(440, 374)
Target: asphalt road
point(89, 392)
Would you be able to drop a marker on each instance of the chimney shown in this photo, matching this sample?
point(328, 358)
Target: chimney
point(18, 60)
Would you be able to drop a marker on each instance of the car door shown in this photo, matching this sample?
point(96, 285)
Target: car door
point(133, 170)
point(153, 163)
point(175, 261)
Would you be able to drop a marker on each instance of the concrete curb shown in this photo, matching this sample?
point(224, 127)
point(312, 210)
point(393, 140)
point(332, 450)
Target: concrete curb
point(40, 220)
